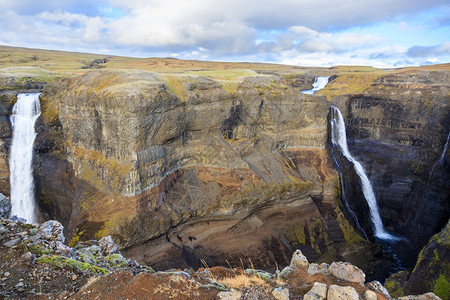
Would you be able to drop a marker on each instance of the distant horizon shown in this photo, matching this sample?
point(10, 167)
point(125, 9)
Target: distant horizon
point(322, 33)
point(218, 61)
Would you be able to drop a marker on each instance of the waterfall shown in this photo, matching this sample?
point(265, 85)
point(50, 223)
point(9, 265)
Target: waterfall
point(24, 115)
point(339, 139)
point(441, 158)
point(319, 83)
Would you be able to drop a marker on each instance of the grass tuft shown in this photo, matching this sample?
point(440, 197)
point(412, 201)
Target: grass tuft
point(243, 281)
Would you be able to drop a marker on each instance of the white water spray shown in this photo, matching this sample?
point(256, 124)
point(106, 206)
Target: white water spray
point(25, 112)
point(339, 139)
point(319, 83)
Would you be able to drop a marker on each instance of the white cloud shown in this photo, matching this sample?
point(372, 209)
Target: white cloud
point(261, 30)
point(303, 31)
point(426, 51)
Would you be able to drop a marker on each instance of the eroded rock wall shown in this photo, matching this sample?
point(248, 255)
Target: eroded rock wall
point(191, 167)
point(183, 167)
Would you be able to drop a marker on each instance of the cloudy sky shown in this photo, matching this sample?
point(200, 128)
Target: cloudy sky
point(381, 33)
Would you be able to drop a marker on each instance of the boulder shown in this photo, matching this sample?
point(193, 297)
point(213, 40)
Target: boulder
point(323, 269)
point(298, 260)
point(317, 292)
point(370, 295)
point(378, 287)
point(52, 230)
point(427, 296)
point(5, 206)
point(286, 272)
point(348, 272)
point(231, 295)
point(337, 292)
point(281, 293)
point(60, 248)
point(108, 246)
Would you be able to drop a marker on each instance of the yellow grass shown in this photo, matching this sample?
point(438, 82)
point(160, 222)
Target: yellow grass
point(350, 83)
point(243, 281)
point(73, 63)
point(16, 61)
point(226, 74)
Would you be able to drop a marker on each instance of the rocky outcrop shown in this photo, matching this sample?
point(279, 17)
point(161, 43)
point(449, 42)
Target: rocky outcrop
point(431, 272)
point(397, 129)
point(34, 263)
point(184, 167)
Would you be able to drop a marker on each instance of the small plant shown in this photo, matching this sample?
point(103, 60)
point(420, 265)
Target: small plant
point(243, 281)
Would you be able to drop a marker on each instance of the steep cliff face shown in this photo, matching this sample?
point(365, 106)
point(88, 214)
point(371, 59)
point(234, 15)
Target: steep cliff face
point(183, 167)
point(398, 129)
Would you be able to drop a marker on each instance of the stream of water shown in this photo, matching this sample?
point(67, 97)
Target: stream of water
point(319, 83)
point(25, 112)
point(339, 139)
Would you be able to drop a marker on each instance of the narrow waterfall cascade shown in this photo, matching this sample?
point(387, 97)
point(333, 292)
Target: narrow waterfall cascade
point(25, 112)
point(319, 83)
point(339, 139)
point(441, 158)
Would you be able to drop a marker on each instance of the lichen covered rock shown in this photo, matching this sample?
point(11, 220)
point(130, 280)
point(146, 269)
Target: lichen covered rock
point(298, 260)
point(337, 292)
point(347, 271)
point(52, 230)
point(5, 206)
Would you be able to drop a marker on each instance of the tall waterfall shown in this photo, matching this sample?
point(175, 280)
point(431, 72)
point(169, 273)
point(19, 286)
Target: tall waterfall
point(339, 139)
point(25, 112)
point(319, 83)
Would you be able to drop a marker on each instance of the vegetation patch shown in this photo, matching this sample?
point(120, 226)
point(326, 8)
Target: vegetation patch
point(76, 237)
point(40, 249)
point(175, 84)
point(350, 83)
point(394, 288)
point(116, 261)
point(65, 262)
point(13, 78)
point(441, 287)
point(243, 281)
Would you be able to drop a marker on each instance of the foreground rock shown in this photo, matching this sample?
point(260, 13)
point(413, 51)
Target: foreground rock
point(34, 260)
point(5, 206)
point(37, 264)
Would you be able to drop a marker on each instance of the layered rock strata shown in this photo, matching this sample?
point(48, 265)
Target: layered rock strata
point(184, 167)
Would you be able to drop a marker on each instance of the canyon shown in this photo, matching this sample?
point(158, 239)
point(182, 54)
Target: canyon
point(182, 167)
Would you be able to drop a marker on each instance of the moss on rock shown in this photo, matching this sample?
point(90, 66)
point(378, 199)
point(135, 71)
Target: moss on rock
point(65, 262)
